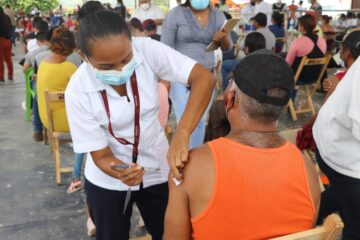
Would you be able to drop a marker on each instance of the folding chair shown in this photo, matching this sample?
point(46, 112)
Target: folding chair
point(54, 136)
point(330, 230)
point(282, 40)
point(30, 93)
point(308, 88)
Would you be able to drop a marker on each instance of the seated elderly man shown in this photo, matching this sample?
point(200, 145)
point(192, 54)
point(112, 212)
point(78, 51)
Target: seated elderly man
point(251, 184)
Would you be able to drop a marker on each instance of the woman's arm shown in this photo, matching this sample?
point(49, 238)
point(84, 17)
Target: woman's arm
point(202, 83)
point(223, 39)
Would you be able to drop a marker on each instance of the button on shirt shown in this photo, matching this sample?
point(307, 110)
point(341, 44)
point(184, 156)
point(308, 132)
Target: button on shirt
point(337, 127)
point(89, 123)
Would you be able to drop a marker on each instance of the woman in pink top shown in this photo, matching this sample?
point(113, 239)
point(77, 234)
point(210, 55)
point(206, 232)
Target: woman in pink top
point(310, 45)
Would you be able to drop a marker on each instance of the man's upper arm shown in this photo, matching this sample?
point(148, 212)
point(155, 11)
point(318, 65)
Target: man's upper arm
point(177, 217)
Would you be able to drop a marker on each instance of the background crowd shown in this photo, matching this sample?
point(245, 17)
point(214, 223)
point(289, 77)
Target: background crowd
point(254, 66)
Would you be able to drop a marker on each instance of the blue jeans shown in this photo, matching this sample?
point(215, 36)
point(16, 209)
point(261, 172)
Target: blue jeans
point(226, 68)
point(78, 160)
point(37, 124)
point(179, 95)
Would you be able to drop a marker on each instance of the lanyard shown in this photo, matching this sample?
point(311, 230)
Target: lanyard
point(123, 141)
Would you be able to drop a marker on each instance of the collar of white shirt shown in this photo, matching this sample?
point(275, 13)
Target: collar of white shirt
point(94, 85)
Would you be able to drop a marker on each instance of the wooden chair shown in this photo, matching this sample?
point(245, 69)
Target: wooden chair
point(282, 40)
point(53, 136)
point(308, 88)
point(330, 230)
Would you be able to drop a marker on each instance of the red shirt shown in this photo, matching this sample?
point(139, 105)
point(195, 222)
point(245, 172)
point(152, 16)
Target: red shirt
point(341, 75)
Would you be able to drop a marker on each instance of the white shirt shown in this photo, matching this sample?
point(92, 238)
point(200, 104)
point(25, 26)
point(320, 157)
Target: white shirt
point(32, 45)
point(248, 12)
point(154, 12)
point(265, 8)
point(337, 127)
point(270, 39)
point(89, 123)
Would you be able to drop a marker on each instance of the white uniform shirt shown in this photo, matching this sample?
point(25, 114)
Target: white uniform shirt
point(89, 123)
point(265, 8)
point(154, 12)
point(248, 12)
point(337, 127)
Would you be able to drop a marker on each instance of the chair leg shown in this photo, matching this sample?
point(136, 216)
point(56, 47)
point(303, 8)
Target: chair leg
point(46, 137)
point(57, 161)
point(309, 100)
point(292, 110)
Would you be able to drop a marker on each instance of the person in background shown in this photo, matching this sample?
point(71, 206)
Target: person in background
point(337, 135)
point(132, 101)
point(12, 17)
point(189, 29)
point(223, 6)
point(43, 45)
point(260, 22)
point(264, 7)
point(315, 6)
point(38, 25)
point(279, 7)
point(150, 30)
point(121, 9)
point(277, 28)
point(253, 42)
point(328, 31)
point(248, 12)
point(136, 28)
point(293, 8)
point(70, 23)
point(309, 44)
point(234, 38)
point(5, 46)
point(235, 187)
point(301, 9)
point(148, 10)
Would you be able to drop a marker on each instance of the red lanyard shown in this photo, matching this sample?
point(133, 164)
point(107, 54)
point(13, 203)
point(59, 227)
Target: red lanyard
point(136, 120)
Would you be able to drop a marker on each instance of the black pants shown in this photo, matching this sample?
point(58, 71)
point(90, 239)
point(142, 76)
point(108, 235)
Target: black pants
point(343, 194)
point(106, 210)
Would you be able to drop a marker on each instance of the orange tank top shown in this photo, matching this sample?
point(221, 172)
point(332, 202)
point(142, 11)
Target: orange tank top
point(258, 193)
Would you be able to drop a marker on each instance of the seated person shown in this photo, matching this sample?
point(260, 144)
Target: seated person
point(328, 31)
point(150, 29)
point(253, 41)
point(260, 23)
point(136, 28)
point(277, 28)
point(252, 184)
point(310, 45)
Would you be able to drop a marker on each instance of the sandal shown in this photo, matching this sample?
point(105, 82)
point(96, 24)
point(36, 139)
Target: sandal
point(75, 185)
point(90, 227)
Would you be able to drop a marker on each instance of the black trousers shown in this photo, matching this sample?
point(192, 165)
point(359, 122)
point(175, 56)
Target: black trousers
point(342, 195)
point(106, 210)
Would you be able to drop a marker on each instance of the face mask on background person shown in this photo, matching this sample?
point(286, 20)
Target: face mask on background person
point(200, 4)
point(115, 77)
point(145, 6)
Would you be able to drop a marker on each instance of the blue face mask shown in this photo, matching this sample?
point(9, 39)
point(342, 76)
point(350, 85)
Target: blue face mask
point(200, 4)
point(115, 77)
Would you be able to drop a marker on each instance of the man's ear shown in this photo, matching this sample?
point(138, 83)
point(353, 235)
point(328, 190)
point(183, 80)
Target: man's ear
point(229, 99)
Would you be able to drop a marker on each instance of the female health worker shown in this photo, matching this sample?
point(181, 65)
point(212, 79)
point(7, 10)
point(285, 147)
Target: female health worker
point(112, 105)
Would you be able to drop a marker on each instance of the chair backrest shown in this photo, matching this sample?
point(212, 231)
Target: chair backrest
point(283, 41)
point(330, 230)
point(28, 74)
point(322, 63)
point(49, 98)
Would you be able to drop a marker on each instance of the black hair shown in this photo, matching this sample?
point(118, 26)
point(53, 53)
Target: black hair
point(255, 41)
point(150, 27)
point(42, 26)
point(101, 24)
point(308, 23)
point(352, 43)
point(5, 23)
point(278, 19)
point(186, 4)
point(136, 23)
point(326, 19)
point(41, 36)
point(89, 8)
point(35, 21)
point(227, 15)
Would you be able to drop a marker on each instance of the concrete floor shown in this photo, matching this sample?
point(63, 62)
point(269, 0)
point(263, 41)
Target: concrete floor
point(32, 206)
